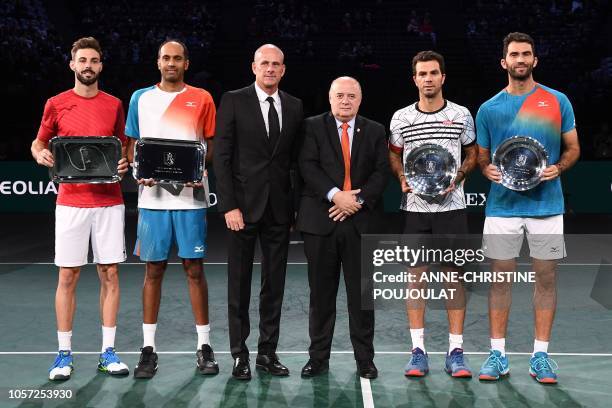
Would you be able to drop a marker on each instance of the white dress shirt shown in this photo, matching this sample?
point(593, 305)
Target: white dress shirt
point(265, 106)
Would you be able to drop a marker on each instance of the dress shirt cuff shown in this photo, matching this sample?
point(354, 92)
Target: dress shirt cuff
point(331, 193)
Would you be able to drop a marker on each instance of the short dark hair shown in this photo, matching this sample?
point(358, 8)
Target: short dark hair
point(174, 40)
point(83, 43)
point(425, 56)
point(518, 37)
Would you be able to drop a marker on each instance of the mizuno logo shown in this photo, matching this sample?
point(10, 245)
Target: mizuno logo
point(199, 248)
point(190, 104)
point(543, 104)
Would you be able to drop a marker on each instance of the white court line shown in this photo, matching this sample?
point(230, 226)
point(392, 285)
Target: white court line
point(138, 263)
point(288, 263)
point(483, 353)
point(366, 393)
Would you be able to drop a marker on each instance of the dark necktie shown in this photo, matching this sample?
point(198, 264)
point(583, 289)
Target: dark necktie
point(273, 124)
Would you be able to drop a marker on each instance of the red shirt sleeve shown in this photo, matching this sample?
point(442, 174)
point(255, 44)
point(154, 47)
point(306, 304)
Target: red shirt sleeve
point(48, 124)
point(209, 112)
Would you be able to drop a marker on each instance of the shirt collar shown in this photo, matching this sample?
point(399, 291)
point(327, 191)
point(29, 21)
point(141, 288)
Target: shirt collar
point(262, 95)
point(351, 123)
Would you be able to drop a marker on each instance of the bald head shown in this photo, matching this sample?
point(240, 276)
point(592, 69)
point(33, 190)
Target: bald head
point(344, 80)
point(344, 98)
point(267, 48)
point(268, 67)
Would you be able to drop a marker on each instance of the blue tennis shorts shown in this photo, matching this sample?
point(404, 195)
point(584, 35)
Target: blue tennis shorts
point(159, 229)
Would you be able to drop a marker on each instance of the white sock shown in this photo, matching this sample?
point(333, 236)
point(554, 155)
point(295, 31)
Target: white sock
point(539, 345)
point(454, 341)
point(148, 334)
point(203, 331)
point(64, 340)
point(418, 338)
point(108, 337)
point(499, 345)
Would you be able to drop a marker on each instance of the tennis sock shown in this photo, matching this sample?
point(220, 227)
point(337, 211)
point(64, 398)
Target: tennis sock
point(454, 341)
point(539, 345)
point(148, 334)
point(203, 331)
point(418, 338)
point(64, 340)
point(499, 345)
point(108, 337)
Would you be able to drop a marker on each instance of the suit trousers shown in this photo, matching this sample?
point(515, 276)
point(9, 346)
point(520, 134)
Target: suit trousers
point(274, 242)
point(326, 255)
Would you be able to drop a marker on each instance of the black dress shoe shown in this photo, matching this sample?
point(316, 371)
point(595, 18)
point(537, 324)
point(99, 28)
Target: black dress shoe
point(270, 364)
point(367, 369)
point(315, 367)
point(241, 370)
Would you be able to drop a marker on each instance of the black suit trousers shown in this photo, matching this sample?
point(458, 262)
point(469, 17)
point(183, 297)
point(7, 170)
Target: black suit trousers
point(326, 255)
point(274, 242)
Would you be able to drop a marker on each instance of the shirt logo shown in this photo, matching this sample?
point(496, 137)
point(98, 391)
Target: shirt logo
point(543, 104)
point(169, 158)
point(190, 104)
point(198, 248)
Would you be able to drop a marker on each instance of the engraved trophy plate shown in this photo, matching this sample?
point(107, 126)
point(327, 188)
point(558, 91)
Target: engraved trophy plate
point(85, 159)
point(169, 161)
point(521, 161)
point(430, 169)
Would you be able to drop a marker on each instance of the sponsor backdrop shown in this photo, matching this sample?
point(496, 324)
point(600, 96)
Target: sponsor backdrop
point(25, 187)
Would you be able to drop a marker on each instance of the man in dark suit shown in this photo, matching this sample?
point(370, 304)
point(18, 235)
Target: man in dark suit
point(257, 141)
point(344, 164)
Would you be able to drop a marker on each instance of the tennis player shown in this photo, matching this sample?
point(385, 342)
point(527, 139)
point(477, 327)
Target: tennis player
point(85, 211)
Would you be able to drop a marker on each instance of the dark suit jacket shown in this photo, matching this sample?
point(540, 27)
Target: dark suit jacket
point(249, 171)
point(322, 168)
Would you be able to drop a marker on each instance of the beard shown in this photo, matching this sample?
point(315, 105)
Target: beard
point(87, 81)
point(521, 77)
point(432, 93)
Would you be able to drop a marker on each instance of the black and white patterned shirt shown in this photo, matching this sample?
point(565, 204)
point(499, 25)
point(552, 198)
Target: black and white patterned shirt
point(450, 127)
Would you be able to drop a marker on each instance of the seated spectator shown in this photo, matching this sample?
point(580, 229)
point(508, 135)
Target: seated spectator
point(426, 29)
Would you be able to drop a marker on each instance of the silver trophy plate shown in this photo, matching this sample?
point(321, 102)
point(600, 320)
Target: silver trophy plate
point(85, 159)
point(169, 161)
point(430, 169)
point(521, 161)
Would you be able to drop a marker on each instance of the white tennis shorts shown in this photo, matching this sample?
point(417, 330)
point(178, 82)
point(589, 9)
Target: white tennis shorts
point(75, 225)
point(503, 237)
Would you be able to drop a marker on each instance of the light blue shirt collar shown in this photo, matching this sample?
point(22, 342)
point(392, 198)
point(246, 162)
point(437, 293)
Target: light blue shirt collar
point(351, 124)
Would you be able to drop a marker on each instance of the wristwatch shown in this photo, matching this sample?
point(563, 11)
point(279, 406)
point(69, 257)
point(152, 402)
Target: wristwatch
point(360, 199)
